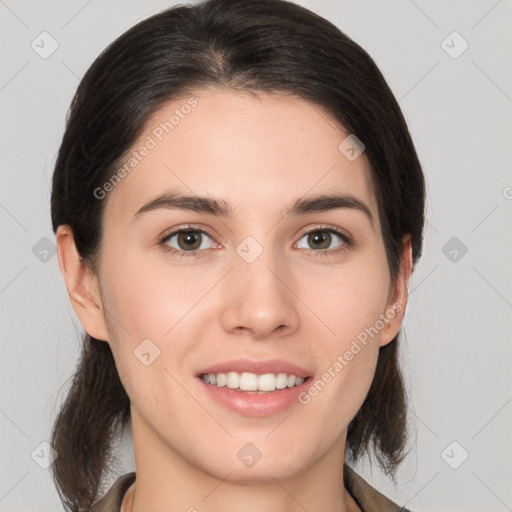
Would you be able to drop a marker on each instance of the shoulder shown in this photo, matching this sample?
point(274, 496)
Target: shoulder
point(112, 500)
point(366, 496)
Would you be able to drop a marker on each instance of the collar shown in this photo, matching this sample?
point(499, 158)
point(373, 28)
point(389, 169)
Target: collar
point(367, 497)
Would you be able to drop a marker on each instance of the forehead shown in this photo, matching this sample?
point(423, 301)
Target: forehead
point(256, 152)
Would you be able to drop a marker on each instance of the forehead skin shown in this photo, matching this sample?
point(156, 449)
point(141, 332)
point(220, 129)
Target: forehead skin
point(258, 153)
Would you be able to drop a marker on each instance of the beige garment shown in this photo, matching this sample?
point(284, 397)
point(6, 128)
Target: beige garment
point(366, 496)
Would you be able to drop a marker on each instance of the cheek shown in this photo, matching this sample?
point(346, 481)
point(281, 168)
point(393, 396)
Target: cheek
point(146, 300)
point(145, 305)
point(351, 306)
point(150, 299)
point(350, 300)
point(152, 306)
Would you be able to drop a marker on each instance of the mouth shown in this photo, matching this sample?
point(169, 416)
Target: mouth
point(254, 388)
point(248, 382)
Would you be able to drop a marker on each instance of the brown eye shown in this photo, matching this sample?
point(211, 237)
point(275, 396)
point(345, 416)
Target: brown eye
point(320, 240)
point(187, 241)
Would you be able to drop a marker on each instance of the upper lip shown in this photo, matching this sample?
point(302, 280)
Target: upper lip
point(258, 367)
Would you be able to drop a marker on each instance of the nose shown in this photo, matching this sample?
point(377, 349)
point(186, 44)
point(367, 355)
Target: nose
point(259, 298)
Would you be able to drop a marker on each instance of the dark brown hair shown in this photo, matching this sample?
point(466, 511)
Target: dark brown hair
point(251, 45)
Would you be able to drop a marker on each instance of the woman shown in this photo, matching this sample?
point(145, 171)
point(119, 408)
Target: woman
point(238, 208)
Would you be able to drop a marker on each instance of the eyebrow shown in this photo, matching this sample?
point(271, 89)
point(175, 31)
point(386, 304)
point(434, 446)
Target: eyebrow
point(221, 208)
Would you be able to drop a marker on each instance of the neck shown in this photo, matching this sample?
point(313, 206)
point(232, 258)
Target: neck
point(166, 481)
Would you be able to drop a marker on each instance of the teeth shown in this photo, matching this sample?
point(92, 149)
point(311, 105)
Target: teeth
point(291, 380)
point(221, 380)
point(252, 382)
point(232, 380)
point(248, 382)
point(281, 380)
point(267, 382)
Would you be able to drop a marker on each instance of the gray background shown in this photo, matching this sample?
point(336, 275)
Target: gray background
point(457, 351)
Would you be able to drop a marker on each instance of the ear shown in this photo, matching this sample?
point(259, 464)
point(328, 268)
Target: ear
point(397, 299)
point(82, 285)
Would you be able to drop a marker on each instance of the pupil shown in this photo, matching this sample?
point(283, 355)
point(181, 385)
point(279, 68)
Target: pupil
point(318, 237)
point(189, 237)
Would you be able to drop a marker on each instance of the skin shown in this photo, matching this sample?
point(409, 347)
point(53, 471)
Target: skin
point(287, 304)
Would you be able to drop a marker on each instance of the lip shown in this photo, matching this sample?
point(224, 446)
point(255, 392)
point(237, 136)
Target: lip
point(258, 367)
point(252, 403)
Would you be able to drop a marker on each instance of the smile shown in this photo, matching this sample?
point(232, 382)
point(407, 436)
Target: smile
point(252, 382)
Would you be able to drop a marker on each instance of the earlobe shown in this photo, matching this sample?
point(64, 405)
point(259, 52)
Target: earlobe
point(395, 308)
point(82, 285)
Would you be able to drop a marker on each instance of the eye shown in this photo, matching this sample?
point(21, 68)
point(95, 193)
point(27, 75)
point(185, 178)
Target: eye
point(321, 238)
point(190, 241)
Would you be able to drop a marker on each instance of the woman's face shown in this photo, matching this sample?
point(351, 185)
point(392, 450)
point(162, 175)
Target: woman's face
point(259, 295)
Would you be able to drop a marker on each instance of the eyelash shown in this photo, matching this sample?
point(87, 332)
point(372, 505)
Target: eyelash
point(348, 243)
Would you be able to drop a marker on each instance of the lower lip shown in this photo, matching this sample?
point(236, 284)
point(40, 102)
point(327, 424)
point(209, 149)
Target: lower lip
point(250, 403)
